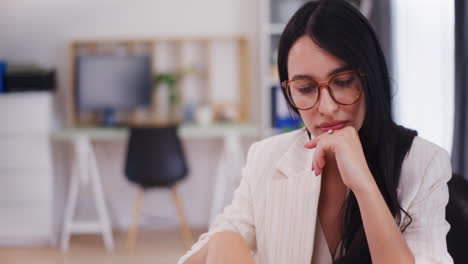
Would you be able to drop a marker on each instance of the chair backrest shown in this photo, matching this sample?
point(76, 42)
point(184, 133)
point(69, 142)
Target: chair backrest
point(457, 216)
point(155, 157)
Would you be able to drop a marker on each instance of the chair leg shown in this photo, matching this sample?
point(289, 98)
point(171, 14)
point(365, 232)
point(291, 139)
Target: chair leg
point(185, 231)
point(133, 231)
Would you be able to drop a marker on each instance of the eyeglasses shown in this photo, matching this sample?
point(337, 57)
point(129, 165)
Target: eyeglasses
point(345, 88)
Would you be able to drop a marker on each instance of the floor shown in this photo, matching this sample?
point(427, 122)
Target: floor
point(155, 247)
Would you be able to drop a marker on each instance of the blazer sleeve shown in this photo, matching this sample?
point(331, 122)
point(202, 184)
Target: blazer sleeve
point(237, 217)
point(426, 235)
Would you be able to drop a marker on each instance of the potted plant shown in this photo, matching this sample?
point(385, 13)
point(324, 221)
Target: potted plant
point(168, 81)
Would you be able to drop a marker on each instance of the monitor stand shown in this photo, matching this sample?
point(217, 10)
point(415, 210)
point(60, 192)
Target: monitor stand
point(109, 118)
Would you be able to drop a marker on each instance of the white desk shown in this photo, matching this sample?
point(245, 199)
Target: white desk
point(85, 170)
point(185, 131)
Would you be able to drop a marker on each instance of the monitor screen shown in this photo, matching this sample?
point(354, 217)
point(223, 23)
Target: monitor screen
point(113, 82)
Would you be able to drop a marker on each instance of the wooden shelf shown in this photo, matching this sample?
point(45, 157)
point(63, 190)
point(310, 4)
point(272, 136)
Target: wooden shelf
point(150, 46)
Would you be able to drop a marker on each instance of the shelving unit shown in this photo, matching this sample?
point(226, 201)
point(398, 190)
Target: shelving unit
point(202, 61)
point(274, 15)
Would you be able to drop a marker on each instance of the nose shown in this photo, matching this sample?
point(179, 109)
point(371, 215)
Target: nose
point(326, 104)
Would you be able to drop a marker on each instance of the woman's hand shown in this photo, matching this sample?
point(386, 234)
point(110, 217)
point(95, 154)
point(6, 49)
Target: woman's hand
point(228, 247)
point(345, 146)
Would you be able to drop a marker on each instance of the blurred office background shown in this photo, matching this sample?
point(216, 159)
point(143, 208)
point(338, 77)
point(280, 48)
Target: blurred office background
point(208, 66)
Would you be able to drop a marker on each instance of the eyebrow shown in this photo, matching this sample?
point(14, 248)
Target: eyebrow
point(335, 71)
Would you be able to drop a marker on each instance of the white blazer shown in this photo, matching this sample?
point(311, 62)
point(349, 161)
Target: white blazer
point(275, 206)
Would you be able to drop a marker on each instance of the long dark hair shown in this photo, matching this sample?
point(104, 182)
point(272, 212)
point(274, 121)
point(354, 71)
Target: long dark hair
point(340, 29)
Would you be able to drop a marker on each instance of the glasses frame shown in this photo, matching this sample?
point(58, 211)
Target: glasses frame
point(285, 85)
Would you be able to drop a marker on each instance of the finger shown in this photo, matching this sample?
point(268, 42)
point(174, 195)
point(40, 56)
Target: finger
point(310, 144)
point(316, 168)
point(319, 170)
point(313, 143)
point(319, 156)
point(316, 165)
point(322, 163)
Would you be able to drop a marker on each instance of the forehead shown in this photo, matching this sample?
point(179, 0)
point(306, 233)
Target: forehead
point(307, 58)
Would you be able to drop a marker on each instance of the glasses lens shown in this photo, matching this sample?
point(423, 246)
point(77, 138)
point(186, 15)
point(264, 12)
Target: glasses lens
point(303, 93)
point(346, 88)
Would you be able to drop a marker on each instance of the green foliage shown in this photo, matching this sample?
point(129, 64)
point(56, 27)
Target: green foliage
point(171, 79)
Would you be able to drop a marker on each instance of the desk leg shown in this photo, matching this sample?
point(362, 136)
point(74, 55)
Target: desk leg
point(84, 172)
point(100, 202)
point(228, 173)
point(71, 205)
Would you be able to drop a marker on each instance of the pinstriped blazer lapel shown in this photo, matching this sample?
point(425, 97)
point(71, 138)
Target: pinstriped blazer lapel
point(291, 206)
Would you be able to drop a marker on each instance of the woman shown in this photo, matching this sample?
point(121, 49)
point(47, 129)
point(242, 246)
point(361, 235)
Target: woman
point(352, 187)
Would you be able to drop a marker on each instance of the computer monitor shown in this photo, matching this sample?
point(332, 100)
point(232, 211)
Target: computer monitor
point(110, 83)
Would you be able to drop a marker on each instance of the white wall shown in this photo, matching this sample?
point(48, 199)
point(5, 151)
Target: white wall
point(423, 34)
point(39, 32)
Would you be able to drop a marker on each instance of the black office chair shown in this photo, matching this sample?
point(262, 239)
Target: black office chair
point(155, 158)
point(457, 216)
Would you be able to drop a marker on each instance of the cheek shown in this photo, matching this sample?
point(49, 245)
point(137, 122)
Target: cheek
point(308, 117)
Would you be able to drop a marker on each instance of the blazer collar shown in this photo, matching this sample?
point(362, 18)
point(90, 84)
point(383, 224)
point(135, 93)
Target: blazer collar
point(291, 207)
point(297, 160)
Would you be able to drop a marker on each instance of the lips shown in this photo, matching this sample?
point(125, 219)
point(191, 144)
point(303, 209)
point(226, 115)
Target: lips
point(335, 125)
